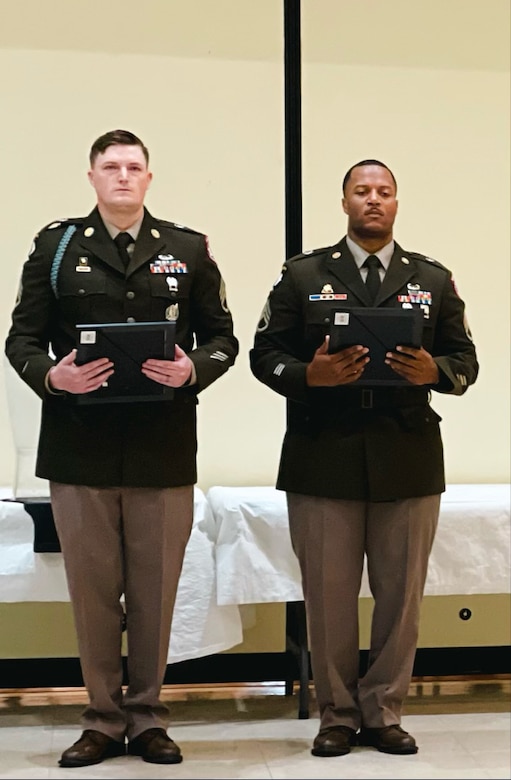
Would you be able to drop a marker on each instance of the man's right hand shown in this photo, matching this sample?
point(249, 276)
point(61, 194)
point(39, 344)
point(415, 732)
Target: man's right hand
point(66, 375)
point(341, 368)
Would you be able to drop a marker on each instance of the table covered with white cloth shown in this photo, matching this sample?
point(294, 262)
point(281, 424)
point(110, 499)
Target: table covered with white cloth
point(200, 626)
point(256, 563)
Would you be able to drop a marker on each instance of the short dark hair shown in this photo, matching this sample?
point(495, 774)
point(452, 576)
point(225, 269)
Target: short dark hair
point(113, 137)
point(366, 162)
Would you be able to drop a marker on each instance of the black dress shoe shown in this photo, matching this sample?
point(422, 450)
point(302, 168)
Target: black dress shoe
point(390, 739)
point(156, 747)
point(92, 748)
point(334, 741)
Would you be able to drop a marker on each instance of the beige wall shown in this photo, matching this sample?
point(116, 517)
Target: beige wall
point(424, 86)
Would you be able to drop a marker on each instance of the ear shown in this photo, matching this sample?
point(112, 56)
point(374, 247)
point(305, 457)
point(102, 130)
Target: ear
point(90, 176)
point(344, 207)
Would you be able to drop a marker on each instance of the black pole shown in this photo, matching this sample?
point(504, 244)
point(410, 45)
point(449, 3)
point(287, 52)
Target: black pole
point(296, 626)
point(293, 126)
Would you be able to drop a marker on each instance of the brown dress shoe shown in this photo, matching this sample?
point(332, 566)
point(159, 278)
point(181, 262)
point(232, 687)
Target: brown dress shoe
point(156, 747)
point(390, 739)
point(92, 748)
point(334, 741)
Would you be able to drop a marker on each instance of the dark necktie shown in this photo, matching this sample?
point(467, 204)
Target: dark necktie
point(122, 241)
point(373, 280)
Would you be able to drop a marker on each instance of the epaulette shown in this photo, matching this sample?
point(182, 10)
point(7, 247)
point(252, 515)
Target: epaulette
point(308, 253)
point(426, 259)
point(178, 226)
point(63, 223)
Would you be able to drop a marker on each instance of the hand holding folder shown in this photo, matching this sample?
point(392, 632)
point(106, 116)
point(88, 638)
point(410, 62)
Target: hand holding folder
point(127, 345)
point(381, 331)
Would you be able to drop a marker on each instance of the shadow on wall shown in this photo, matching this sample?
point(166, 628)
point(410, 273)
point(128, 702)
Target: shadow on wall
point(24, 413)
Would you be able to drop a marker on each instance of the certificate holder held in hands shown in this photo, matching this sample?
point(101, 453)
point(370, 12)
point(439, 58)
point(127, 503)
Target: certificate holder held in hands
point(127, 345)
point(381, 330)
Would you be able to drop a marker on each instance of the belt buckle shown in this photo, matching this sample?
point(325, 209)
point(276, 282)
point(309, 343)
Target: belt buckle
point(367, 399)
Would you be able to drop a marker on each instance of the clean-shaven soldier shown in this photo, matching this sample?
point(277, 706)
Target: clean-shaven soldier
point(121, 474)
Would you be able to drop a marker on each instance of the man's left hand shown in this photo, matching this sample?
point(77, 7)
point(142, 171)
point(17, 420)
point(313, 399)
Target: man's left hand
point(415, 365)
point(173, 373)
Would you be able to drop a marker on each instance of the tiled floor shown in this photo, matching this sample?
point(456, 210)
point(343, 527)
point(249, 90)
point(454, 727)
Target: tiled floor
point(463, 731)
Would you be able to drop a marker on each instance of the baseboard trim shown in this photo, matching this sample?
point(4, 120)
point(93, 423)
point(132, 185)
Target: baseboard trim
point(254, 667)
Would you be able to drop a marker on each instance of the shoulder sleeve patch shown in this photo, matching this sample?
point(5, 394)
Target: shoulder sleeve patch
point(208, 250)
point(280, 276)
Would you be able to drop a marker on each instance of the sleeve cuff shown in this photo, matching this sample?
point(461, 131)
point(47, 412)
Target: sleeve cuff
point(192, 379)
point(47, 385)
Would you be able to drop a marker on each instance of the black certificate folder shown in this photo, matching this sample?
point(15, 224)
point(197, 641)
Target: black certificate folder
point(127, 345)
point(381, 330)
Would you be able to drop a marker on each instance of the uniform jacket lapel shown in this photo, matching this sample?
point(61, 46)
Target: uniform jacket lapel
point(94, 238)
point(149, 242)
point(342, 264)
point(401, 269)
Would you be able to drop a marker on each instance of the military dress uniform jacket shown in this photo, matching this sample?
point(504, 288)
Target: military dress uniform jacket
point(123, 444)
point(345, 442)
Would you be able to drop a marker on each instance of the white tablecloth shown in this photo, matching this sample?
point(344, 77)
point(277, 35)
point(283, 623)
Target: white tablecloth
point(240, 553)
point(256, 564)
point(200, 627)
